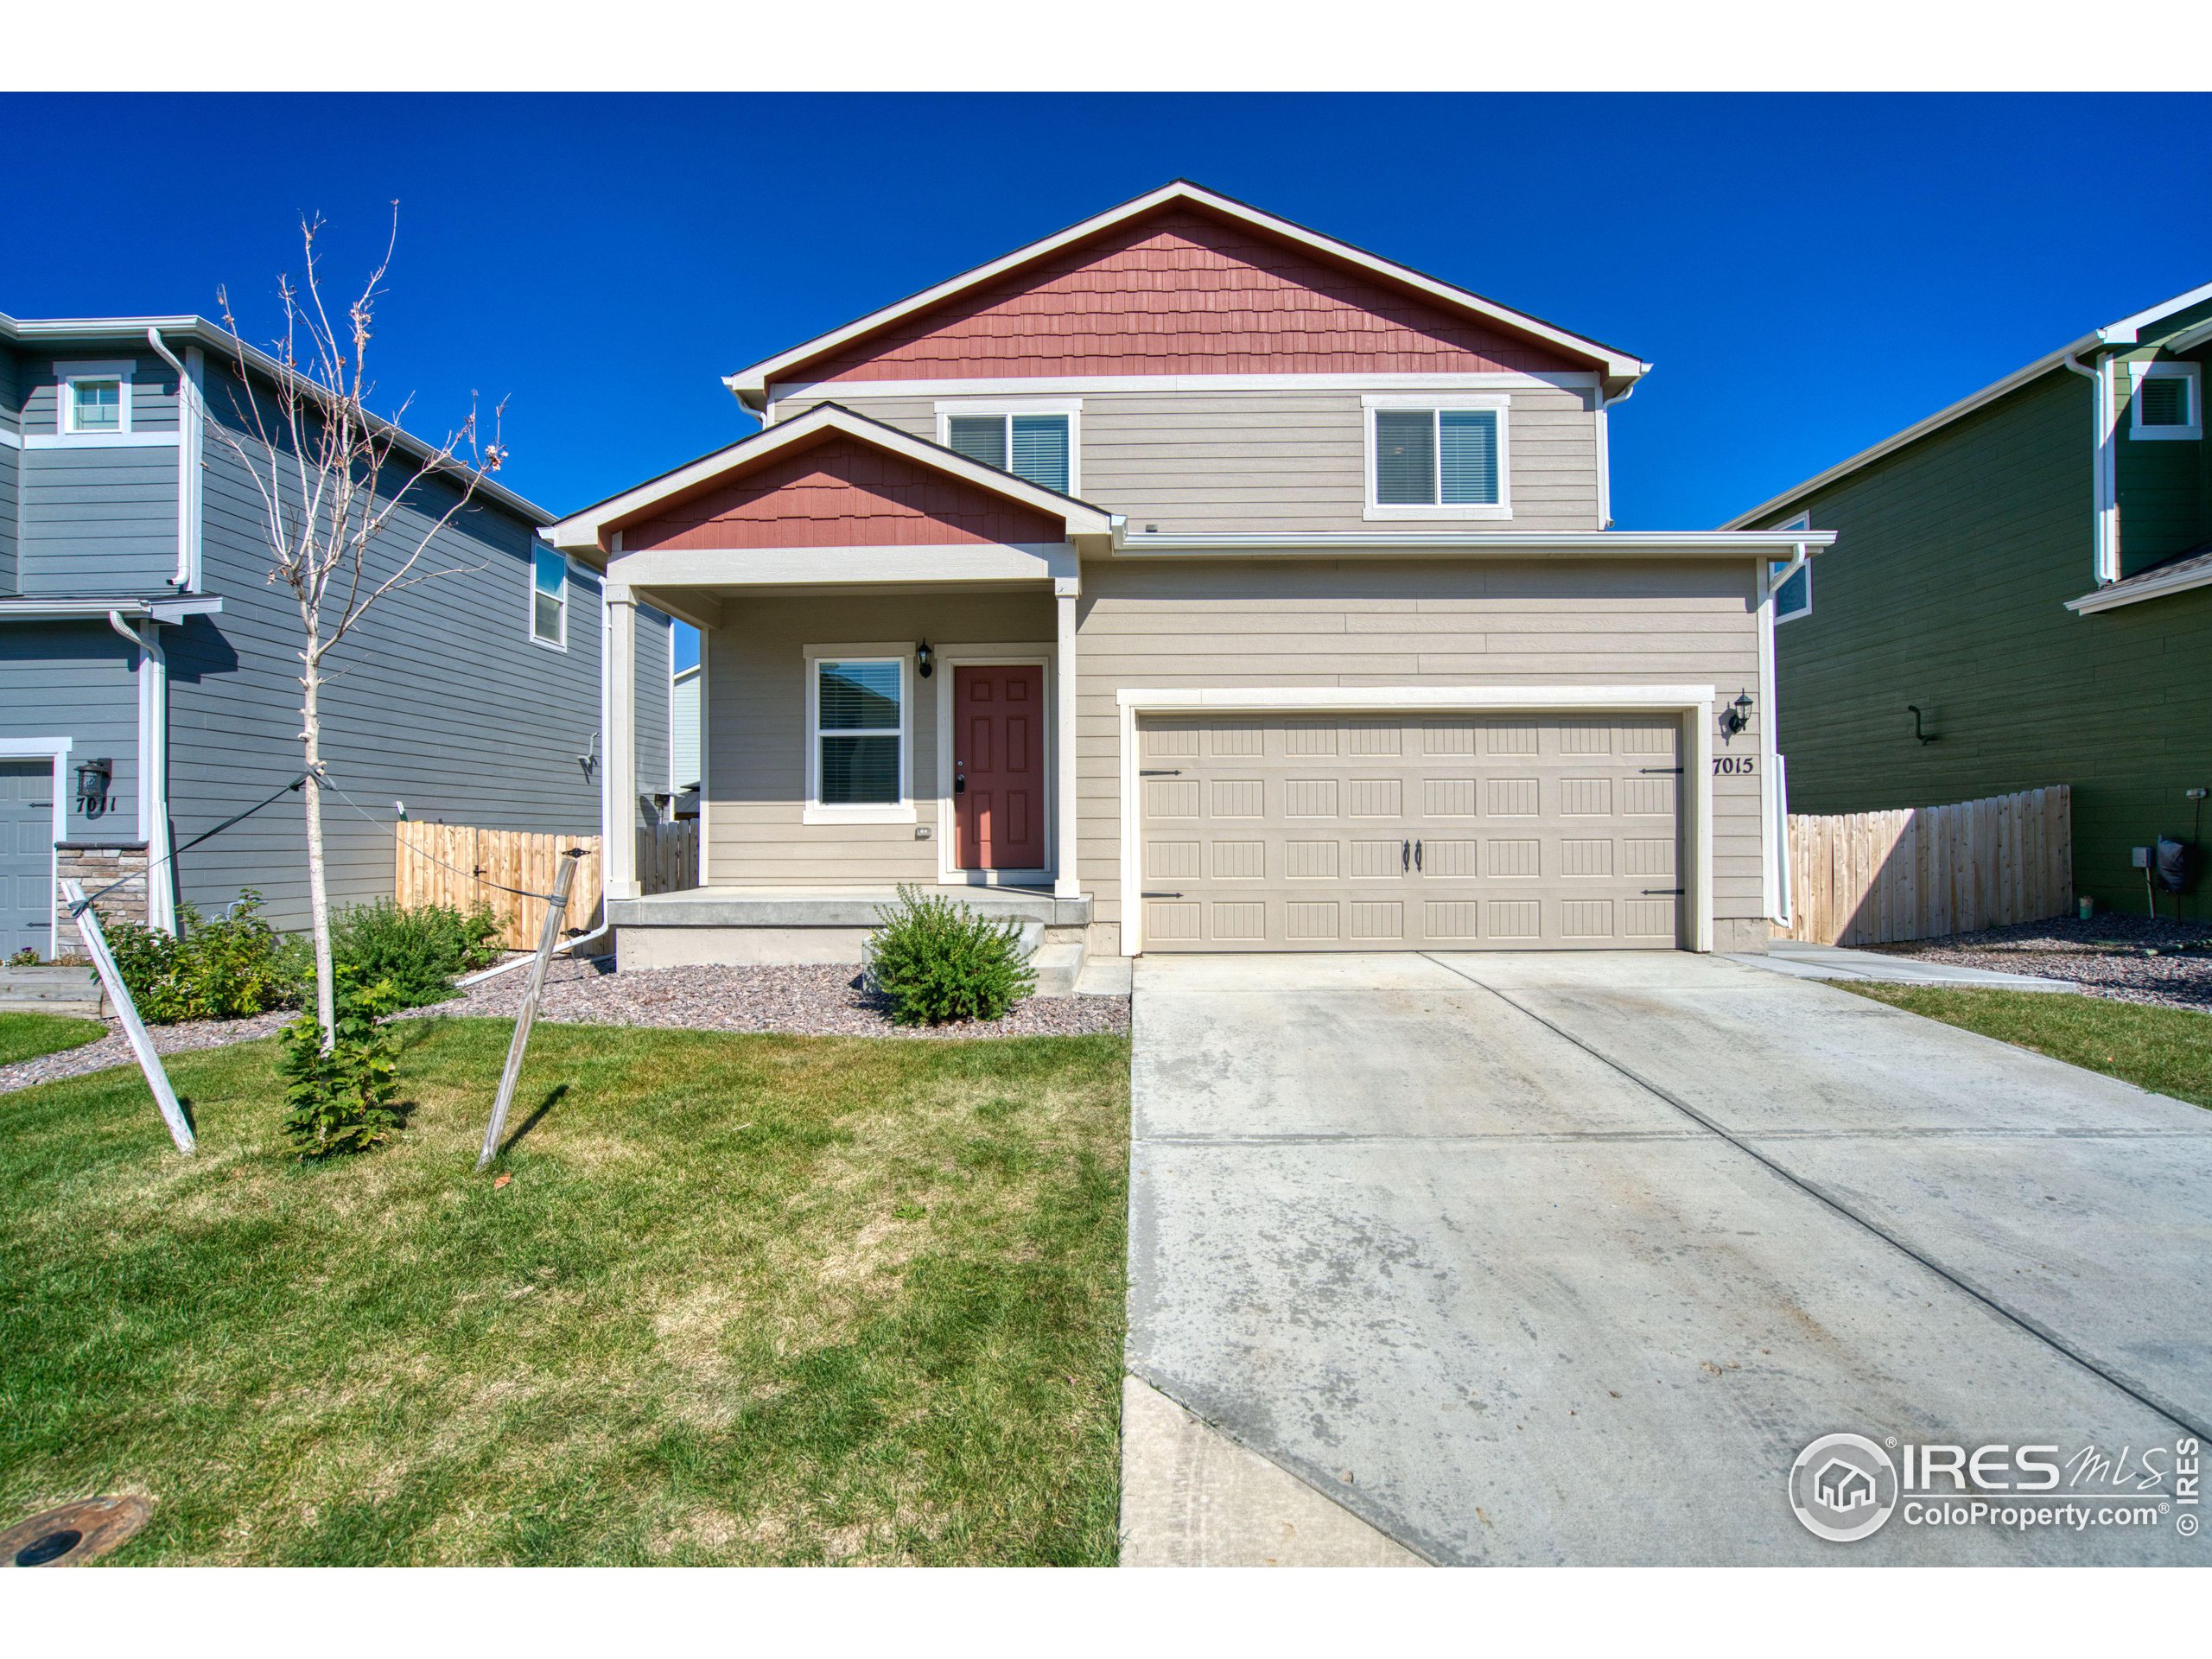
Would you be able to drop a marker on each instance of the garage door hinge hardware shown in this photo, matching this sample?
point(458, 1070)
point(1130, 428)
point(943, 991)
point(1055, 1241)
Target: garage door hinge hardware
point(1663, 892)
point(1675, 770)
point(1160, 772)
point(1163, 895)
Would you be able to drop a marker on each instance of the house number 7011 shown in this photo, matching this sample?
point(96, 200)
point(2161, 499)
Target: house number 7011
point(1726, 765)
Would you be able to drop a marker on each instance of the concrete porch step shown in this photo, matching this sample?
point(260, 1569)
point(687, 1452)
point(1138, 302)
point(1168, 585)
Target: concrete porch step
point(830, 906)
point(1057, 967)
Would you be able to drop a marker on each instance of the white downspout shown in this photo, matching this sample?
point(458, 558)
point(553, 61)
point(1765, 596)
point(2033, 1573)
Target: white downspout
point(153, 770)
point(1775, 859)
point(2104, 419)
point(189, 437)
point(1604, 456)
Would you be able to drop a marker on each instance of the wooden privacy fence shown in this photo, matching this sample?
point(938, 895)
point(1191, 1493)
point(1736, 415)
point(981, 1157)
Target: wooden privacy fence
point(460, 865)
point(668, 857)
point(1873, 877)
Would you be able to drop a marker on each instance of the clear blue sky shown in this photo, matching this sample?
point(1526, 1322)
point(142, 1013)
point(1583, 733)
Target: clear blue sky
point(1808, 274)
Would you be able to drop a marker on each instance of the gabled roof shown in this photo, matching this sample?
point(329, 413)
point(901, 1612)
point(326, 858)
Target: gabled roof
point(1620, 369)
point(2125, 332)
point(198, 331)
point(593, 530)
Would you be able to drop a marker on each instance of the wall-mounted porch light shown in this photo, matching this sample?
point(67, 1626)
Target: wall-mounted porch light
point(93, 777)
point(925, 659)
point(1735, 716)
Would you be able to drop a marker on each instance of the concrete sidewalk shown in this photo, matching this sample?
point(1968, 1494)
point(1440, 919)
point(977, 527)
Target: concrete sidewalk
point(1564, 1257)
point(1803, 961)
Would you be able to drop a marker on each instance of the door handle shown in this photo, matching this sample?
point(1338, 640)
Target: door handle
point(1405, 855)
point(1416, 855)
point(960, 785)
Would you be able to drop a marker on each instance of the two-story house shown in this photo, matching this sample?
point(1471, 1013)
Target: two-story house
point(149, 671)
point(1193, 581)
point(2022, 596)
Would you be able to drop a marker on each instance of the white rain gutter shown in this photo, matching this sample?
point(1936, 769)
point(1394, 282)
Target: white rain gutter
point(2104, 419)
point(153, 769)
point(1774, 798)
point(188, 465)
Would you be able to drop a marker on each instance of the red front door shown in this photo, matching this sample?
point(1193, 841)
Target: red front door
point(998, 768)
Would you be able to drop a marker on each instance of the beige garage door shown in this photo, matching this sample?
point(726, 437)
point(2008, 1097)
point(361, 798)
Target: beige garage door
point(1422, 832)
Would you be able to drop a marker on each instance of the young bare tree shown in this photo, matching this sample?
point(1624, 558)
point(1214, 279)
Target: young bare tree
point(349, 511)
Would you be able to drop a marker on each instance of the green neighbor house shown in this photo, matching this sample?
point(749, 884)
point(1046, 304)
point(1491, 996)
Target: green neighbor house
point(2032, 569)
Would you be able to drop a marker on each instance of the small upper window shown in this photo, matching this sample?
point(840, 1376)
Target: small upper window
point(1437, 462)
point(2166, 400)
point(94, 400)
point(549, 597)
point(1039, 447)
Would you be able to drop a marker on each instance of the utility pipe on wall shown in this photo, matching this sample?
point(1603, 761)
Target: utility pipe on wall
point(187, 465)
point(153, 769)
point(2104, 420)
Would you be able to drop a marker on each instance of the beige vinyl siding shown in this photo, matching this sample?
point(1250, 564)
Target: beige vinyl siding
point(1295, 462)
point(1346, 623)
point(755, 784)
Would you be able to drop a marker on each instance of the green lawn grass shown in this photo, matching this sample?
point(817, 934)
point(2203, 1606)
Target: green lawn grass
point(27, 1036)
point(751, 1300)
point(2167, 1049)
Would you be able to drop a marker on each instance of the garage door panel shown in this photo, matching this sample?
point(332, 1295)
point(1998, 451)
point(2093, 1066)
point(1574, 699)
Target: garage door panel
point(1448, 830)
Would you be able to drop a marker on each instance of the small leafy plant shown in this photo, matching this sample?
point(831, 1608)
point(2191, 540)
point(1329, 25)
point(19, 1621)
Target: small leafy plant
point(343, 1101)
point(934, 960)
point(224, 969)
point(418, 952)
point(25, 958)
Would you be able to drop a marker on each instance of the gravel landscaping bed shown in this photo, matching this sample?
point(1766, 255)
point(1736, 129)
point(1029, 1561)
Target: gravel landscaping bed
point(114, 1049)
point(808, 1001)
point(812, 1002)
point(2128, 958)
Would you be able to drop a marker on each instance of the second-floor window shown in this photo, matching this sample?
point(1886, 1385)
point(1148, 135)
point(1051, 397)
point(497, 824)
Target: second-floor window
point(2166, 400)
point(549, 597)
point(1035, 444)
point(1436, 461)
point(94, 402)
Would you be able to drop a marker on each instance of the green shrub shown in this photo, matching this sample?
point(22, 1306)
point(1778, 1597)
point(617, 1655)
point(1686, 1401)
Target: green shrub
point(418, 952)
point(934, 960)
point(342, 1101)
point(234, 965)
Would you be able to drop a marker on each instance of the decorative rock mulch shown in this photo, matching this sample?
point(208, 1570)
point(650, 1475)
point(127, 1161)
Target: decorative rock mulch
point(812, 1002)
point(2128, 958)
point(114, 1049)
point(804, 1001)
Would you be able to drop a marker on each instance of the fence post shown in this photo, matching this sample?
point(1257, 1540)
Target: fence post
point(88, 929)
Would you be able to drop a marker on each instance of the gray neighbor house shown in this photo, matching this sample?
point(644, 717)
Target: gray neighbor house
point(148, 672)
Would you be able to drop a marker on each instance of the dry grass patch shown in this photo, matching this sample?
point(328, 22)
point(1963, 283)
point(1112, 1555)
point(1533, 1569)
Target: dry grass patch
point(745, 1300)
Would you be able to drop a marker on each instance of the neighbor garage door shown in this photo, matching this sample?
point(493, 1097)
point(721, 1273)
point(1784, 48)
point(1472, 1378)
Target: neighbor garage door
point(1438, 832)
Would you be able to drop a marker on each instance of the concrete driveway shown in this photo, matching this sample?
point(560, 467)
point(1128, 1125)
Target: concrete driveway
point(1564, 1258)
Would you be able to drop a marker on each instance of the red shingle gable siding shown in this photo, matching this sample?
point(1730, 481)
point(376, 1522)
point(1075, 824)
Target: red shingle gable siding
point(1182, 292)
point(841, 493)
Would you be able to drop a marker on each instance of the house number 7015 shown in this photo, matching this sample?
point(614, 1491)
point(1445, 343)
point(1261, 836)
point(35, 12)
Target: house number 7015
point(1724, 766)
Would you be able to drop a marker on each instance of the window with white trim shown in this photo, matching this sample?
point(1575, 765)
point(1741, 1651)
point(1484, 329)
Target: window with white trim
point(1436, 459)
point(857, 711)
point(1035, 444)
point(1794, 598)
point(549, 597)
point(2167, 402)
point(93, 400)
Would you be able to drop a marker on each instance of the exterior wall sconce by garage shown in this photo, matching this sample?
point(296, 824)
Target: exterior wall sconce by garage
point(1913, 708)
point(93, 777)
point(925, 660)
point(1735, 716)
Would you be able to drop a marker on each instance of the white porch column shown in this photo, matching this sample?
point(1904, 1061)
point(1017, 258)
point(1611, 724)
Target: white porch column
point(1066, 884)
point(621, 825)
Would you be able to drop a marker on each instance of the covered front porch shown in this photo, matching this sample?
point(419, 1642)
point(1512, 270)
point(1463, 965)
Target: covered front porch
point(873, 713)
